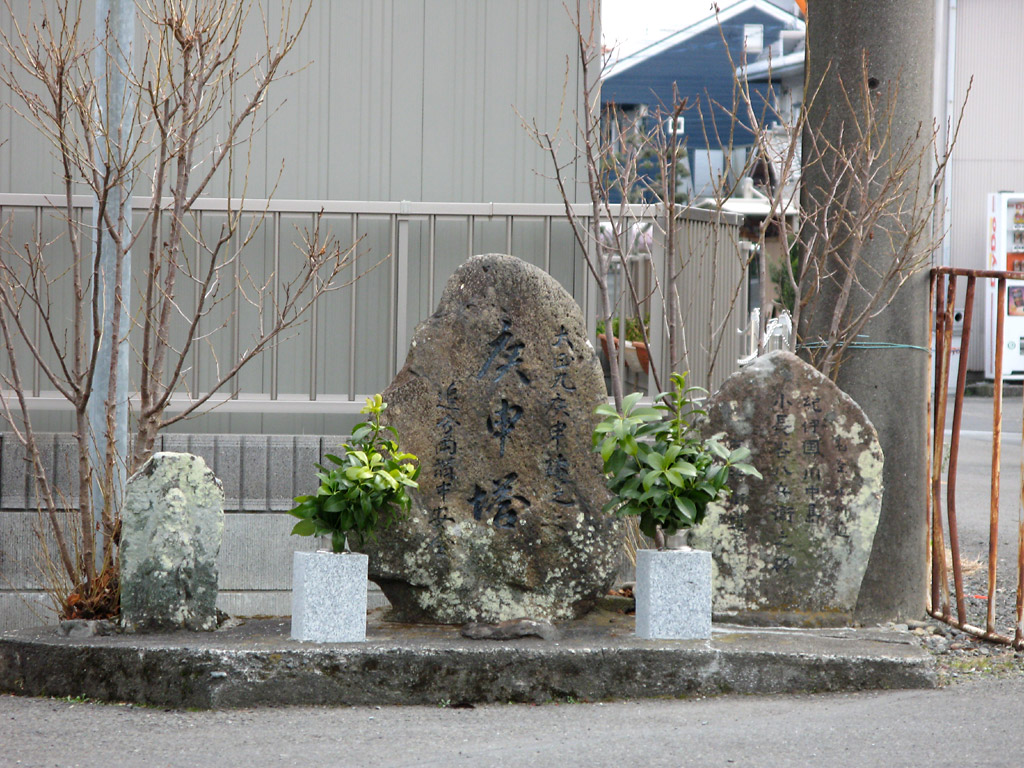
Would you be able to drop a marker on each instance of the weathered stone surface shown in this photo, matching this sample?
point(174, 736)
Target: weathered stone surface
point(512, 630)
point(80, 628)
point(171, 528)
point(598, 658)
point(497, 399)
point(797, 542)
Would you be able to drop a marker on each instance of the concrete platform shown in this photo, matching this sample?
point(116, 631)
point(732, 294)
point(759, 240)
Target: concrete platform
point(599, 658)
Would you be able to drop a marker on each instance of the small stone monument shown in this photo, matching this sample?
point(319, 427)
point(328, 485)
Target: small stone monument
point(171, 528)
point(497, 400)
point(793, 547)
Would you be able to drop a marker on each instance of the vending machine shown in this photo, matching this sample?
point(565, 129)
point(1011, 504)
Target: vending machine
point(1005, 248)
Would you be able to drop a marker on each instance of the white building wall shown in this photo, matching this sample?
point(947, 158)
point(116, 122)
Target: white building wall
point(989, 155)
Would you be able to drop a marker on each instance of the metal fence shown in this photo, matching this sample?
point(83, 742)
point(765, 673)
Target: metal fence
point(945, 284)
point(355, 339)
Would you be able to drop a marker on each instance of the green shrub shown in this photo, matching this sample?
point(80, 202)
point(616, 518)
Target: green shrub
point(657, 467)
point(366, 490)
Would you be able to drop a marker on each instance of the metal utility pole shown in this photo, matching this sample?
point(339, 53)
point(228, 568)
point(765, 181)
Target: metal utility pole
point(108, 403)
point(888, 374)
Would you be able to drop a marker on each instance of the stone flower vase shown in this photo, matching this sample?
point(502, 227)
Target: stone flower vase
point(329, 597)
point(673, 594)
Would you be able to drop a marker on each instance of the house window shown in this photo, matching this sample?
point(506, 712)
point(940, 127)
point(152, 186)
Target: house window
point(753, 39)
point(677, 126)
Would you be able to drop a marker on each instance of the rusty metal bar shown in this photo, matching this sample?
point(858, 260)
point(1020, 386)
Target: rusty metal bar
point(974, 631)
point(965, 338)
point(1018, 635)
point(932, 597)
point(954, 445)
point(997, 442)
point(986, 273)
point(993, 540)
point(942, 304)
point(939, 429)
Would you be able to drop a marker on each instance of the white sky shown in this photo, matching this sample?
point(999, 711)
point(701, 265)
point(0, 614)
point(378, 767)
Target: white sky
point(627, 24)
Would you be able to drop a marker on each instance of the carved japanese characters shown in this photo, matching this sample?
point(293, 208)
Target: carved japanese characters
point(496, 399)
point(795, 544)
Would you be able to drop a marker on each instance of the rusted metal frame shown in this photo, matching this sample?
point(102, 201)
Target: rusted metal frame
point(974, 631)
point(993, 274)
point(965, 342)
point(932, 596)
point(997, 424)
point(943, 320)
point(940, 583)
point(954, 447)
point(1018, 635)
point(997, 442)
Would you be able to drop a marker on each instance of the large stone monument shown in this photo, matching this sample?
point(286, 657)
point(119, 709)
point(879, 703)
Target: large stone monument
point(497, 400)
point(793, 546)
point(171, 528)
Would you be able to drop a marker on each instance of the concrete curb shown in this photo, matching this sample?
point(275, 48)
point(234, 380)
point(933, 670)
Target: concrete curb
point(988, 389)
point(256, 664)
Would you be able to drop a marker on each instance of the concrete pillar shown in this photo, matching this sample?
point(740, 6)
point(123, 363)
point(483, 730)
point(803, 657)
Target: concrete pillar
point(890, 384)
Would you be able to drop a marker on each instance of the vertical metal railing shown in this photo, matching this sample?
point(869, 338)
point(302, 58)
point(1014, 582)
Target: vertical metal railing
point(944, 285)
point(339, 331)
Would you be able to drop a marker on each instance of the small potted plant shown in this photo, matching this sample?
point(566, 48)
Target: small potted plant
point(659, 469)
point(364, 491)
point(635, 348)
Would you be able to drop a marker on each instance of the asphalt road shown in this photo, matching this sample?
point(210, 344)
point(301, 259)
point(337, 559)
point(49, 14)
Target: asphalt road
point(977, 723)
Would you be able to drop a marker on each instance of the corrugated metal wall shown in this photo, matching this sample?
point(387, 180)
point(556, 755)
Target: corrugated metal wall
point(713, 290)
point(989, 155)
point(396, 99)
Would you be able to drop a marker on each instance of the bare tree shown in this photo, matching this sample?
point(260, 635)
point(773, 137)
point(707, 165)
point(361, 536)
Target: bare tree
point(876, 187)
point(610, 162)
point(634, 157)
point(196, 104)
point(869, 186)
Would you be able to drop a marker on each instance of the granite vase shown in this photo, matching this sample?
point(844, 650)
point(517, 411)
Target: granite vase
point(329, 597)
point(673, 594)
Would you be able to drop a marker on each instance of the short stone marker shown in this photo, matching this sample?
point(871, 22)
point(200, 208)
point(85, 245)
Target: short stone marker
point(793, 547)
point(497, 400)
point(329, 604)
point(171, 528)
point(673, 594)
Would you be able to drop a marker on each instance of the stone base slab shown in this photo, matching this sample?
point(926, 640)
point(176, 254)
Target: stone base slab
point(596, 658)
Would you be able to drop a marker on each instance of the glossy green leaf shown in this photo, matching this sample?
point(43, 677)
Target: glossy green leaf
point(747, 469)
point(304, 528)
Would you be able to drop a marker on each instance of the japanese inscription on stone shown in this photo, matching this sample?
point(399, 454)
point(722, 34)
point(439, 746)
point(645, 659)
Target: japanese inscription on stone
point(446, 451)
point(798, 540)
point(497, 399)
